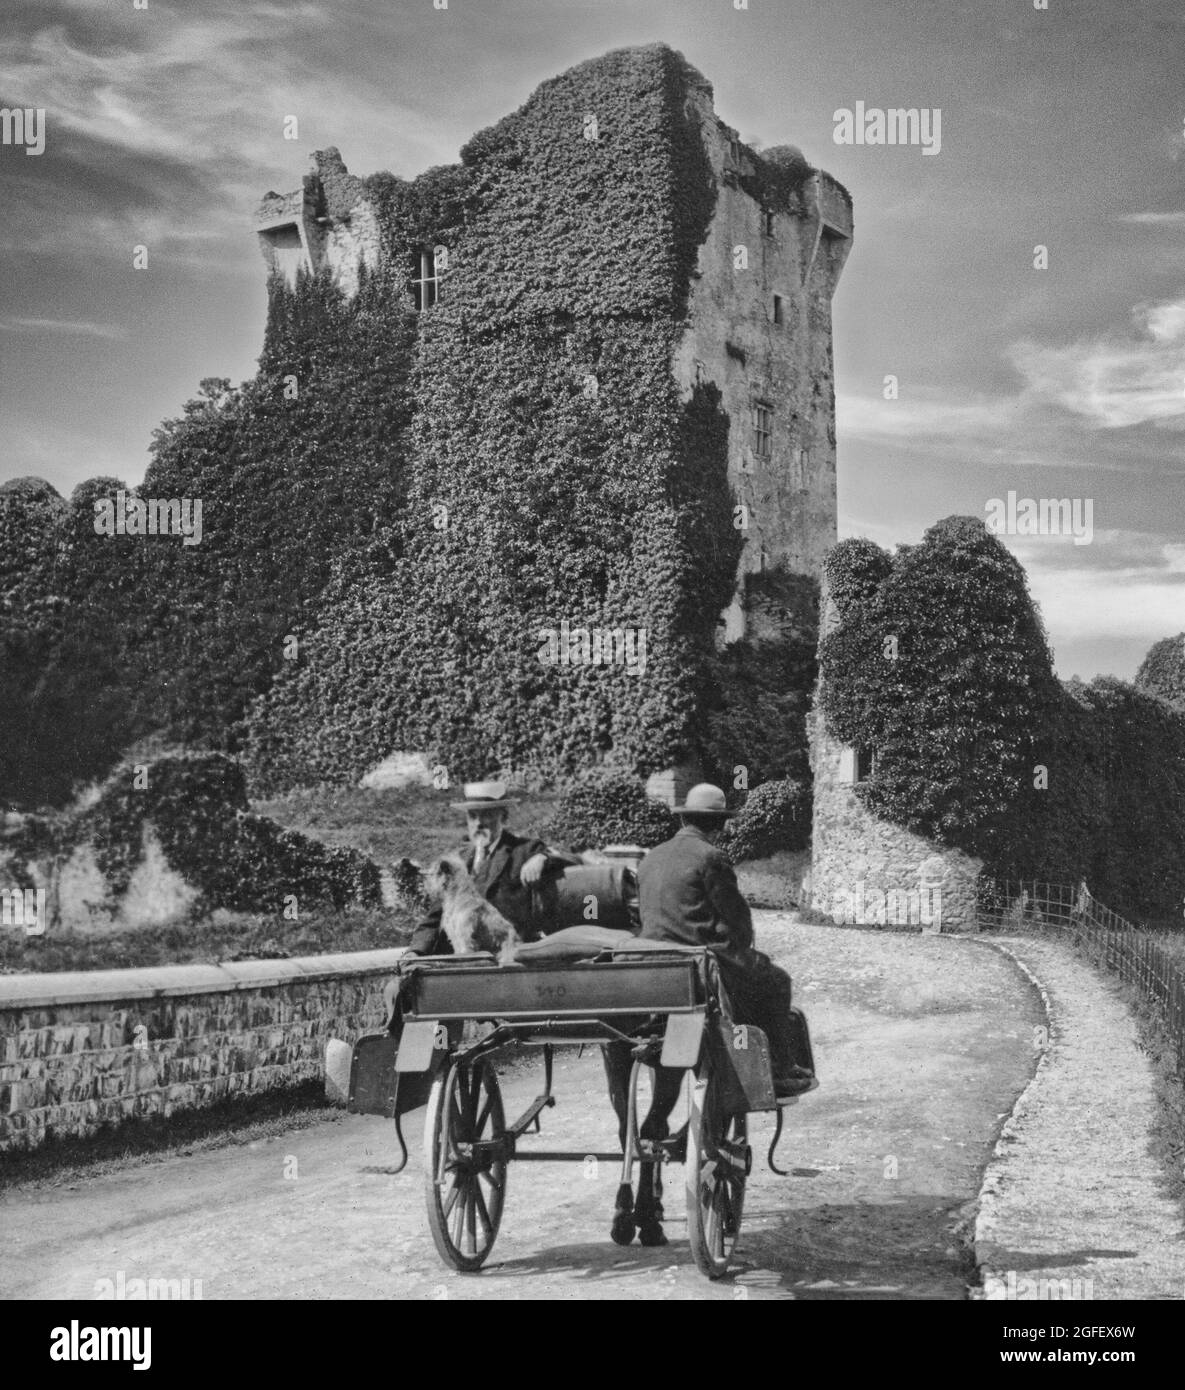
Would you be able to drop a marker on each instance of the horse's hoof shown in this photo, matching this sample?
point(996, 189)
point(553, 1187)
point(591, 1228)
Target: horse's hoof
point(624, 1223)
point(623, 1229)
point(651, 1233)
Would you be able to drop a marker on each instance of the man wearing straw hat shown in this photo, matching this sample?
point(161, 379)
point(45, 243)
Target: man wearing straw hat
point(688, 893)
point(504, 866)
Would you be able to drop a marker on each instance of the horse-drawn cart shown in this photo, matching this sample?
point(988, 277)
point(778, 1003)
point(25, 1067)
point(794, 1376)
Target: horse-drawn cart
point(648, 1004)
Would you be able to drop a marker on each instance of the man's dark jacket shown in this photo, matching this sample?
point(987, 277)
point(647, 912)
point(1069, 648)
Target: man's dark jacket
point(500, 882)
point(687, 892)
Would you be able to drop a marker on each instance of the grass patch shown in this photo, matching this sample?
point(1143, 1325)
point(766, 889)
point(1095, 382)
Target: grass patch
point(412, 822)
point(115, 1148)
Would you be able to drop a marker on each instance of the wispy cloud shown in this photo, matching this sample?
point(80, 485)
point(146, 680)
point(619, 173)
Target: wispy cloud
point(1126, 377)
point(78, 328)
point(1155, 219)
point(924, 413)
point(1091, 604)
point(1120, 379)
point(1122, 593)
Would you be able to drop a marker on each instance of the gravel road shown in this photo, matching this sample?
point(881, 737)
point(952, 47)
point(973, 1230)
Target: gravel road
point(923, 1044)
point(1075, 1202)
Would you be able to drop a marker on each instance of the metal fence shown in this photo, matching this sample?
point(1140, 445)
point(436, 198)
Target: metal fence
point(1101, 935)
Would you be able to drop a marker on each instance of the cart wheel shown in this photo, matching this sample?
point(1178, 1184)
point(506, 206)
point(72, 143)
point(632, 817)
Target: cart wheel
point(718, 1162)
point(464, 1171)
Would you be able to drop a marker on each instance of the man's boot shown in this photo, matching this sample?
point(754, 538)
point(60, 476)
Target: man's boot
point(790, 1049)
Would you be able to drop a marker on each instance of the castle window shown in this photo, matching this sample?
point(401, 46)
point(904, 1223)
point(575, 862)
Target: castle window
point(763, 429)
point(768, 221)
point(734, 151)
point(855, 765)
point(427, 287)
point(779, 310)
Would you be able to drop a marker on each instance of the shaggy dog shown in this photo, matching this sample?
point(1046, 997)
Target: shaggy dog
point(468, 920)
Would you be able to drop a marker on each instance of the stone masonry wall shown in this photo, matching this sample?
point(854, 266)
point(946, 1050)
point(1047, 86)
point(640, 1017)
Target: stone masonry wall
point(81, 1050)
point(868, 872)
point(732, 340)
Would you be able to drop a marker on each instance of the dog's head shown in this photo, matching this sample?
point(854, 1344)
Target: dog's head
point(444, 875)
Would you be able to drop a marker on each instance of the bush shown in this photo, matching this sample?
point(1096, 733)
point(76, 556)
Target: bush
point(757, 715)
point(776, 816)
point(939, 665)
point(1162, 671)
point(68, 600)
point(197, 804)
point(609, 808)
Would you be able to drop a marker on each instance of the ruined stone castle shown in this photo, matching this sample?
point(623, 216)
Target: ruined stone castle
point(623, 406)
point(757, 322)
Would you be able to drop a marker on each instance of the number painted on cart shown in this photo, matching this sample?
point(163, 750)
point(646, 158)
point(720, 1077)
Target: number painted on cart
point(440, 1038)
point(740, 1038)
point(549, 992)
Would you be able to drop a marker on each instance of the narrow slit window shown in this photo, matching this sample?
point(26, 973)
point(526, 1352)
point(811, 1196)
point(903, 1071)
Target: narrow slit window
point(770, 221)
point(779, 310)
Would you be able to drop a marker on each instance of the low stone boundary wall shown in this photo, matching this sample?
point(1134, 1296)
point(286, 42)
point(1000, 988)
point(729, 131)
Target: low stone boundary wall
point(87, 1048)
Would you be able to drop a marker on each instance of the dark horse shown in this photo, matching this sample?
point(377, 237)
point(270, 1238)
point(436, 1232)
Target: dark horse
point(643, 1214)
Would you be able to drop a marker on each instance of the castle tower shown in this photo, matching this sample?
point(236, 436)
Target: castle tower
point(626, 286)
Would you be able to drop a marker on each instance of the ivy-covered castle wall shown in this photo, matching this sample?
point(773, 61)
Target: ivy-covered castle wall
point(759, 327)
point(497, 493)
point(580, 455)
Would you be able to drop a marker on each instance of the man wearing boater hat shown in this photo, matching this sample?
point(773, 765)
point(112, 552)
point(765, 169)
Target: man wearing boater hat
point(688, 893)
point(504, 866)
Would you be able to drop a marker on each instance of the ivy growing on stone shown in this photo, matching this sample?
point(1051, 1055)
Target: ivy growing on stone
point(937, 663)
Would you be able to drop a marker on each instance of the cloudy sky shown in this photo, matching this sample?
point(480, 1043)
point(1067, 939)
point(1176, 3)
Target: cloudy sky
point(1061, 128)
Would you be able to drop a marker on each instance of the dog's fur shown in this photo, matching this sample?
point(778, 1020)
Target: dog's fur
point(468, 920)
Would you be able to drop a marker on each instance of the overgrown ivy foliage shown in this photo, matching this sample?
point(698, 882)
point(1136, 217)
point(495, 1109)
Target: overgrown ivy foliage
point(1162, 672)
point(293, 469)
point(763, 684)
point(71, 602)
point(939, 665)
point(1119, 814)
point(555, 474)
point(30, 623)
point(197, 806)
